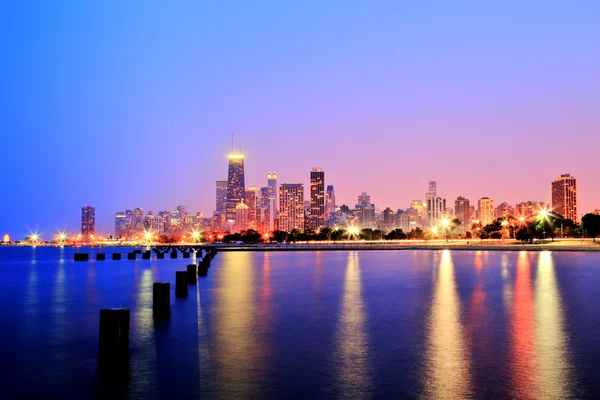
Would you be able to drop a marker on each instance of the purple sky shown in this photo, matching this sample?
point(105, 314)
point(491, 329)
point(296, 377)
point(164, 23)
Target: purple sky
point(118, 105)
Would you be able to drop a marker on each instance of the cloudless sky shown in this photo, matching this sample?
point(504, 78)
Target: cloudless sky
point(120, 104)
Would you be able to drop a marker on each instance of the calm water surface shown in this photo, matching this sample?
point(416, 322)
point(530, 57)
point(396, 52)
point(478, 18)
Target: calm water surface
point(393, 324)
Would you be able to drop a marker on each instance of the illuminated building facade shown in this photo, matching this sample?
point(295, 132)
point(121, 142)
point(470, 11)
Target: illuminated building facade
point(436, 206)
point(564, 196)
point(183, 216)
point(251, 202)
point(317, 199)
point(291, 206)
point(273, 188)
point(241, 217)
point(88, 220)
point(138, 219)
point(504, 210)
point(485, 207)
point(363, 200)
point(529, 209)
point(236, 187)
point(221, 196)
point(330, 206)
point(120, 224)
point(462, 211)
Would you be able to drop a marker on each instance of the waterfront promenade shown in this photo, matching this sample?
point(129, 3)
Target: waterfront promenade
point(492, 245)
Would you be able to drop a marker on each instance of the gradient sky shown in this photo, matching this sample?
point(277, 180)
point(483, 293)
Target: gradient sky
point(125, 104)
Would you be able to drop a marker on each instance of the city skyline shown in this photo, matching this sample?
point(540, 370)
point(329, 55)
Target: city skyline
point(442, 203)
point(486, 99)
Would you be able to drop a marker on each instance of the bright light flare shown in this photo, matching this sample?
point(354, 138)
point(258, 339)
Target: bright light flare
point(353, 230)
point(445, 223)
point(434, 230)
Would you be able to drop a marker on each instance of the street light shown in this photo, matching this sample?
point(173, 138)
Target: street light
point(544, 214)
point(445, 224)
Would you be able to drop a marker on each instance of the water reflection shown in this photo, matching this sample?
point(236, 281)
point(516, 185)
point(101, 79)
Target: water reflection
point(447, 364)
point(143, 359)
point(353, 368)
point(551, 344)
point(236, 349)
point(523, 368)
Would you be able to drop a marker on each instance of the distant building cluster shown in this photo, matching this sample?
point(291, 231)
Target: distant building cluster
point(134, 223)
point(282, 206)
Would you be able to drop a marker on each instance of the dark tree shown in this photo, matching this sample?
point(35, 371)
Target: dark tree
point(591, 225)
point(416, 233)
point(280, 236)
point(396, 234)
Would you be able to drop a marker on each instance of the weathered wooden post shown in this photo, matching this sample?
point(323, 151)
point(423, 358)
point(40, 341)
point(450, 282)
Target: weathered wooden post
point(160, 255)
point(113, 340)
point(100, 256)
point(146, 255)
point(181, 289)
point(131, 256)
point(116, 256)
point(81, 257)
point(203, 269)
point(174, 253)
point(161, 299)
point(191, 273)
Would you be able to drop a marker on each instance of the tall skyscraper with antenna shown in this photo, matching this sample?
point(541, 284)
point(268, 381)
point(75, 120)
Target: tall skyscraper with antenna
point(236, 186)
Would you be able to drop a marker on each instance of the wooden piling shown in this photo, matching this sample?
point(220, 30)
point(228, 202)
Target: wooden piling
point(181, 282)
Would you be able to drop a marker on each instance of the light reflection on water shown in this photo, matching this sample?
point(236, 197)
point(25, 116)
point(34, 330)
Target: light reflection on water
point(447, 369)
point(551, 347)
point(473, 319)
point(352, 347)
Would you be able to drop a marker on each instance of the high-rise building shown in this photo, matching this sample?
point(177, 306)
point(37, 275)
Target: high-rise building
point(251, 202)
point(221, 205)
point(330, 206)
point(138, 219)
point(504, 210)
point(236, 187)
point(183, 216)
point(408, 220)
point(564, 196)
point(120, 224)
point(436, 207)
point(291, 206)
point(363, 200)
point(317, 199)
point(485, 206)
point(432, 191)
point(273, 189)
point(462, 211)
point(241, 217)
point(88, 220)
point(529, 209)
point(129, 221)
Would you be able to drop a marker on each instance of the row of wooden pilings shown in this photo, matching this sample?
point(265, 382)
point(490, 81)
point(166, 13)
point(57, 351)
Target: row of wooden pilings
point(161, 252)
point(113, 340)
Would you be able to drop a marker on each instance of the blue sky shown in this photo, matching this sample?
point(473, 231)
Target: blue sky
point(126, 104)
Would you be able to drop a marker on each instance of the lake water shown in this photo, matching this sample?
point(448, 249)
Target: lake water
point(393, 324)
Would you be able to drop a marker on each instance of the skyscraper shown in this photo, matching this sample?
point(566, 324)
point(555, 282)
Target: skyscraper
point(564, 196)
point(236, 187)
point(273, 188)
point(183, 216)
point(251, 202)
point(363, 200)
point(317, 199)
point(138, 219)
point(330, 206)
point(88, 220)
point(436, 207)
point(486, 210)
point(291, 206)
point(120, 224)
point(529, 209)
point(221, 205)
point(462, 211)
point(432, 191)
